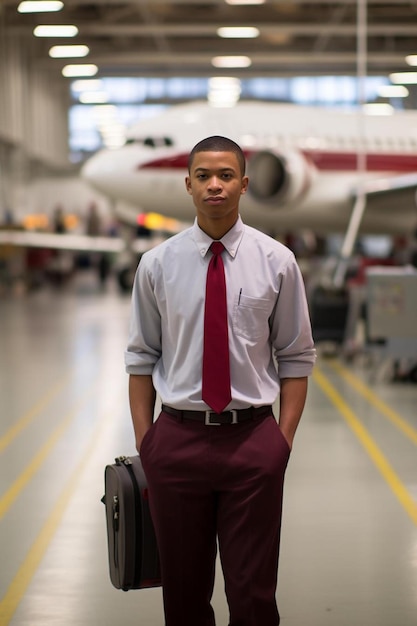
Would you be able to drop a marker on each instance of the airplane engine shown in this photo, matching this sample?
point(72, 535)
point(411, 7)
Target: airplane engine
point(279, 177)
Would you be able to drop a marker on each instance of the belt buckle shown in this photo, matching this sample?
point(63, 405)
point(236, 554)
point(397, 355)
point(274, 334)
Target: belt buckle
point(208, 422)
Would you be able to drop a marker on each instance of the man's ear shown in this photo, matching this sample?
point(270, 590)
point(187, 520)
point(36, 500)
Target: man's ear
point(188, 185)
point(245, 183)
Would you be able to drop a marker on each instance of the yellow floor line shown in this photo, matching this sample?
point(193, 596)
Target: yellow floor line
point(370, 446)
point(24, 575)
point(24, 477)
point(373, 399)
point(30, 415)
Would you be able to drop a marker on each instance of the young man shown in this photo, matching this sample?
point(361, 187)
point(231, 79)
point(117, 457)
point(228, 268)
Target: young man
point(217, 474)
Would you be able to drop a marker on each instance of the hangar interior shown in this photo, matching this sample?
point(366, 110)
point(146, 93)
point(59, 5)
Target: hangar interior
point(179, 40)
point(349, 547)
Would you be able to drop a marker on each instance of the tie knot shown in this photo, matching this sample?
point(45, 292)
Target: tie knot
point(217, 247)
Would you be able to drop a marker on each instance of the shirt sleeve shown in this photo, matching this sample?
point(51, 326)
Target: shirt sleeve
point(144, 344)
point(291, 333)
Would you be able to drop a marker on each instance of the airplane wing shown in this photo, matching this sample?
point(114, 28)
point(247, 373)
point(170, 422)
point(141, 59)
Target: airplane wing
point(389, 203)
point(71, 242)
point(380, 198)
point(386, 193)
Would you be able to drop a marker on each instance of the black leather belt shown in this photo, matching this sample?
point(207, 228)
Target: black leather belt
point(210, 418)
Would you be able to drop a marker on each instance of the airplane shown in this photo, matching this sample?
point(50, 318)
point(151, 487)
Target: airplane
point(319, 169)
point(325, 170)
point(309, 168)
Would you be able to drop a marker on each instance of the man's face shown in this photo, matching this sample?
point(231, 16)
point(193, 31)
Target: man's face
point(216, 184)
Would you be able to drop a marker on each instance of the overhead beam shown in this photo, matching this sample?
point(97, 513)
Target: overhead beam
point(210, 30)
point(73, 3)
point(198, 30)
point(140, 58)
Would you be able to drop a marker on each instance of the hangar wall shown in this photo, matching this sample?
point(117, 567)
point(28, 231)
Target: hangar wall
point(33, 122)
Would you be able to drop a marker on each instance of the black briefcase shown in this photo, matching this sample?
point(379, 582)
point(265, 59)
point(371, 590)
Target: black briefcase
point(132, 547)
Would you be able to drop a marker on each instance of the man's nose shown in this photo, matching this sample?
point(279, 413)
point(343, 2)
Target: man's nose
point(214, 182)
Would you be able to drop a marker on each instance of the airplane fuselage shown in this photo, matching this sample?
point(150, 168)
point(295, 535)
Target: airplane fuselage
point(313, 161)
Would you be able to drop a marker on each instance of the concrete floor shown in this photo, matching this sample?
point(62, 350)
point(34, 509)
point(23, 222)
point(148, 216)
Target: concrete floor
point(349, 538)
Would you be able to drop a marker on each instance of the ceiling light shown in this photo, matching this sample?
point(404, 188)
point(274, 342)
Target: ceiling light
point(218, 82)
point(224, 91)
point(393, 91)
point(113, 130)
point(245, 1)
point(404, 78)
point(87, 85)
point(94, 97)
point(411, 59)
point(106, 112)
point(231, 86)
point(70, 71)
point(238, 32)
point(114, 142)
point(49, 30)
point(66, 52)
point(40, 6)
point(231, 61)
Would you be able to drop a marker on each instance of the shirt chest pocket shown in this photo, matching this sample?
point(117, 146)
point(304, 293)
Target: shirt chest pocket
point(250, 317)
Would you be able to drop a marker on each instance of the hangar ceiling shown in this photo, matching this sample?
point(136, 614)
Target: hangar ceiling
point(179, 38)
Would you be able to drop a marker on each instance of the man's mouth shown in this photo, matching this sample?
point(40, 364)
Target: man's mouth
point(215, 199)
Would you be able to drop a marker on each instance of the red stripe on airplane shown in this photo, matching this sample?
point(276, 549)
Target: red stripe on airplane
point(324, 161)
point(374, 162)
point(177, 162)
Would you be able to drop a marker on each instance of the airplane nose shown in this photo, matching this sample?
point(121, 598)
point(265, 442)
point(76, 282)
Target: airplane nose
point(116, 173)
point(100, 170)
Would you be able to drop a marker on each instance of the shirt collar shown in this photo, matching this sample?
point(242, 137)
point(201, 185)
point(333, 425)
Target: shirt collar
point(231, 240)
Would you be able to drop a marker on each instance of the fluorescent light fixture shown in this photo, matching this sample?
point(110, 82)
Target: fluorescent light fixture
point(393, 91)
point(404, 78)
point(112, 131)
point(105, 113)
point(114, 142)
point(222, 82)
point(245, 2)
point(70, 71)
point(231, 61)
point(220, 85)
point(66, 52)
point(94, 97)
point(40, 6)
point(224, 91)
point(378, 108)
point(87, 85)
point(238, 32)
point(50, 30)
point(411, 59)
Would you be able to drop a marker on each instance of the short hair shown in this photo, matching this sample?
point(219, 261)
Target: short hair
point(217, 143)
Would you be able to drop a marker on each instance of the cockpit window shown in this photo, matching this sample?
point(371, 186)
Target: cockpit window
point(151, 142)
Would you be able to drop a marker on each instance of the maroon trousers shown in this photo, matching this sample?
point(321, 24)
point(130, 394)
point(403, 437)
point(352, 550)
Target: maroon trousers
point(217, 482)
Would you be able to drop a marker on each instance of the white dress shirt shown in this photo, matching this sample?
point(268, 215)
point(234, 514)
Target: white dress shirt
point(267, 317)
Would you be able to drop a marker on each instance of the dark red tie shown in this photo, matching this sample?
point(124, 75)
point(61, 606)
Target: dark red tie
point(216, 367)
